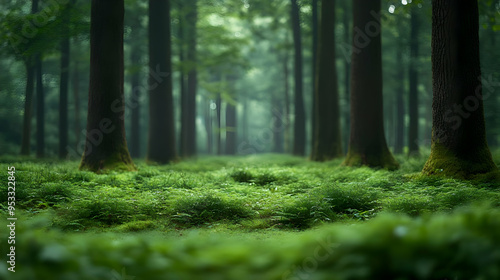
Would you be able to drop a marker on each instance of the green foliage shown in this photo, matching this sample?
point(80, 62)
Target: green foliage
point(200, 210)
point(462, 245)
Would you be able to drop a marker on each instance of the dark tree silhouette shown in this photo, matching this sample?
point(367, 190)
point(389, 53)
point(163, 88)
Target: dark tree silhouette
point(161, 139)
point(327, 126)
point(367, 144)
point(459, 147)
point(40, 109)
point(299, 131)
point(106, 145)
point(63, 85)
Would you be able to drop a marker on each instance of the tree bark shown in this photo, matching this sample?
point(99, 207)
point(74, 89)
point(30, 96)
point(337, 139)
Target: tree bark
point(161, 140)
point(40, 109)
point(299, 131)
point(400, 107)
point(76, 97)
point(28, 103)
point(63, 90)
point(188, 133)
point(367, 144)
point(135, 126)
point(218, 104)
point(230, 129)
point(314, 68)
point(106, 145)
point(459, 147)
point(347, 77)
point(327, 127)
point(413, 92)
point(28, 108)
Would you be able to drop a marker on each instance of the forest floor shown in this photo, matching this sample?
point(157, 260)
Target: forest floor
point(271, 198)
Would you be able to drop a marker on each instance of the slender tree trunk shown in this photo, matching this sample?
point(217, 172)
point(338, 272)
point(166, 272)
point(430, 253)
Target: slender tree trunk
point(413, 97)
point(230, 129)
point(278, 125)
point(459, 147)
point(299, 131)
point(161, 140)
point(63, 95)
point(367, 144)
point(287, 102)
point(189, 125)
point(40, 110)
point(314, 68)
point(400, 107)
point(106, 145)
point(347, 76)
point(135, 127)
point(208, 127)
point(28, 103)
point(182, 80)
point(28, 108)
point(327, 127)
point(76, 97)
point(218, 104)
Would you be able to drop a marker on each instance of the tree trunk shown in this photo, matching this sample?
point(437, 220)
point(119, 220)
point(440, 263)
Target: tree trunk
point(106, 145)
point(63, 92)
point(287, 102)
point(188, 133)
point(218, 105)
point(208, 126)
point(327, 127)
point(135, 127)
point(347, 77)
point(182, 80)
point(28, 108)
point(400, 107)
point(28, 103)
point(413, 97)
point(459, 147)
point(299, 131)
point(367, 144)
point(278, 125)
point(314, 68)
point(76, 97)
point(161, 140)
point(40, 110)
point(230, 129)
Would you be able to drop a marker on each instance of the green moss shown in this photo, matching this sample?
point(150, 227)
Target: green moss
point(443, 162)
point(119, 161)
point(380, 159)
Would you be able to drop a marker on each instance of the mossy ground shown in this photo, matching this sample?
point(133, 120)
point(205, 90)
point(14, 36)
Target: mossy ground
point(262, 197)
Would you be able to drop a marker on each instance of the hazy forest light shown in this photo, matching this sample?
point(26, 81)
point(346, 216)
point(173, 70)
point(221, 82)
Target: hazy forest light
point(392, 8)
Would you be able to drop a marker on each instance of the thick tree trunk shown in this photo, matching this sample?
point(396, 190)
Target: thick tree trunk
point(327, 127)
point(28, 108)
point(299, 131)
point(161, 139)
point(367, 144)
point(40, 110)
point(188, 133)
point(63, 97)
point(459, 147)
point(287, 102)
point(106, 145)
point(413, 96)
point(182, 79)
point(135, 127)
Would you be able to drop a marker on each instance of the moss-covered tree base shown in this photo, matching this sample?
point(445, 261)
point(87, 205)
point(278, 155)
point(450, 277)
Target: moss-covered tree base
point(117, 162)
point(473, 165)
point(374, 160)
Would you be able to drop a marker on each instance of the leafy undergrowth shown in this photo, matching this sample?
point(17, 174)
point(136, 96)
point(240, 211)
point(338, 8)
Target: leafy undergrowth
point(461, 245)
point(247, 193)
point(253, 217)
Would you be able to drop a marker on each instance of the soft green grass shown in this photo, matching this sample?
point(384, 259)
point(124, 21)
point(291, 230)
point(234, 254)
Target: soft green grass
point(254, 217)
point(253, 192)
